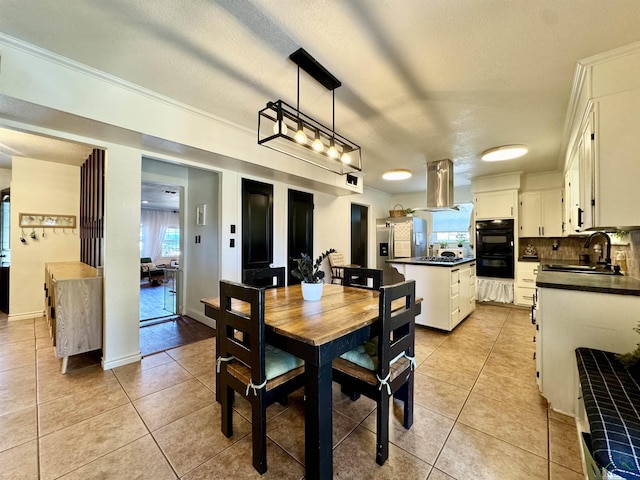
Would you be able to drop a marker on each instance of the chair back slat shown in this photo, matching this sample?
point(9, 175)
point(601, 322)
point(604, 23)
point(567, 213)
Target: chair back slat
point(264, 277)
point(397, 329)
point(241, 329)
point(359, 277)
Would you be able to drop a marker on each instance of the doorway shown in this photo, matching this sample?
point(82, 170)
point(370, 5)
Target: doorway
point(359, 234)
point(160, 240)
point(299, 230)
point(5, 253)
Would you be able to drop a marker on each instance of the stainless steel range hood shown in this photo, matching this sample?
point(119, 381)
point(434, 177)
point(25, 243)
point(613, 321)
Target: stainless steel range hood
point(439, 186)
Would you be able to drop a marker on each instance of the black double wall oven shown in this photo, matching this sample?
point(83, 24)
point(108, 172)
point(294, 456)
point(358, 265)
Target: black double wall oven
point(494, 248)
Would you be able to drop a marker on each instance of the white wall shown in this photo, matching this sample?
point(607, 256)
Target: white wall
point(332, 222)
point(201, 261)
point(541, 181)
point(121, 328)
point(41, 187)
point(5, 178)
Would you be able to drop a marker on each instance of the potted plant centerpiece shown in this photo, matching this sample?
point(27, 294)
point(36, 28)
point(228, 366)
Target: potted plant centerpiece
point(312, 277)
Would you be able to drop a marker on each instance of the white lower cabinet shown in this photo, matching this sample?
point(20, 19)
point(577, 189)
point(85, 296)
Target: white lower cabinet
point(568, 319)
point(525, 286)
point(448, 293)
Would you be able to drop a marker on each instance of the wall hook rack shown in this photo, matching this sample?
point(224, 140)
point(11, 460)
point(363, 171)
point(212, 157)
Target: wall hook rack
point(40, 220)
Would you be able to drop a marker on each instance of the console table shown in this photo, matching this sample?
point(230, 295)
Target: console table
point(73, 305)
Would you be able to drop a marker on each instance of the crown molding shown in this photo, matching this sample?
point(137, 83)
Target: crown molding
point(76, 66)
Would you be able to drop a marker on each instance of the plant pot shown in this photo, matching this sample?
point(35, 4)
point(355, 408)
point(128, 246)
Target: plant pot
point(312, 291)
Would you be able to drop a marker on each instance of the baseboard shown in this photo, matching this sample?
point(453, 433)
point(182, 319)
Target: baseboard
point(201, 317)
point(25, 316)
point(118, 362)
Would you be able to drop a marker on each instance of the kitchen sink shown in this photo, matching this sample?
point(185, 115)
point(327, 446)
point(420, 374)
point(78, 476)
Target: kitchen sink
point(600, 269)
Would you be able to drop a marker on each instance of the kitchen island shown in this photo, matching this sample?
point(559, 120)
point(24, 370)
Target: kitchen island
point(448, 288)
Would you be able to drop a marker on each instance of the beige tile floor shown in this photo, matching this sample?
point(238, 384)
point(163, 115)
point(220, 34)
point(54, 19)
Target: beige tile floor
point(478, 414)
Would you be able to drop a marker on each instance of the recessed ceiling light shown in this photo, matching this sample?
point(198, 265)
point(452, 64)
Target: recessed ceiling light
point(504, 152)
point(145, 201)
point(397, 174)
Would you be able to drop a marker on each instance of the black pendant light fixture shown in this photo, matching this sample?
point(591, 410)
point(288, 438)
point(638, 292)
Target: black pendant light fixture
point(286, 129)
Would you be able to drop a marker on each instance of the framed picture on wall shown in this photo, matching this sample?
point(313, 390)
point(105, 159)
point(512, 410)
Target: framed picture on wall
point(201, 214)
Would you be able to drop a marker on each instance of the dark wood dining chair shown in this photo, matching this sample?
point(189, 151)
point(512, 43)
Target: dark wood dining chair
point(359, 277)
point(336, 262)
point(383, 366)
point(246, 364)
point(264, 277)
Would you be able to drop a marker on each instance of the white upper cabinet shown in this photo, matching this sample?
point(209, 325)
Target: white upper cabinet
point(541, 213)
point(603, 157)
point(493, 205)
point(579, 178)
point(617, 161)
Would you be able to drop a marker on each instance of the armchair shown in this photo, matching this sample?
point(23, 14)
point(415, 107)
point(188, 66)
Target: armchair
point(150, 271)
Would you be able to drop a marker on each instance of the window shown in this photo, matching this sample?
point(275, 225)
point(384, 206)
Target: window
point(171, 242)
point(452, 226)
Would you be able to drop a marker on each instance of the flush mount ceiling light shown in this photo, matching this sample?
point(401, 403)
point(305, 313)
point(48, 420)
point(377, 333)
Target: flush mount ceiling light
point(504, 152)
point(286, 129)
point(397, 174)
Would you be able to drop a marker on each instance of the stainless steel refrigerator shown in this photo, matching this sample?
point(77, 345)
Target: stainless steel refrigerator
point(399, 237)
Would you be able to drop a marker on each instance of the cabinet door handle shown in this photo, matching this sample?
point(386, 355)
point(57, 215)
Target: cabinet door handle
point(528, 280)
point(538, 231)
point(534, 339)
point(580, 211)
point(534, 355)
point(528, 297)
point(542, 230)
point(512, 211)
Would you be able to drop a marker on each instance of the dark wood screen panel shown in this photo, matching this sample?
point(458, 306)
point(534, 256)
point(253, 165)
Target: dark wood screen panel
point(257, 224)
point(92, 209)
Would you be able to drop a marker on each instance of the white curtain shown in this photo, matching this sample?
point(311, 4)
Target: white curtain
point(154, 225)
point(495, 291)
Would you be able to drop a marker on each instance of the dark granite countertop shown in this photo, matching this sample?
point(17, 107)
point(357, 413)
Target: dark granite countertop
point(614, 284)
point(417, 261)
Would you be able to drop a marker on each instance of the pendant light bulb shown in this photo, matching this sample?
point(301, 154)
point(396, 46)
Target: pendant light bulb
point(332, 152)
point(300, 136)
point(317, 144)
point(345, 158)
point(280, 127)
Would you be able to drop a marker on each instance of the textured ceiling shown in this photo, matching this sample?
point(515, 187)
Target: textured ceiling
point(160, 196)
point(14, 143)
point(421, 80)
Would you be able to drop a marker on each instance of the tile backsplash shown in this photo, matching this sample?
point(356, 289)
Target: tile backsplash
point(570, 248)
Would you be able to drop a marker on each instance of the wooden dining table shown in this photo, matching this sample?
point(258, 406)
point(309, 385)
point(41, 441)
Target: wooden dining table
point(317, 332)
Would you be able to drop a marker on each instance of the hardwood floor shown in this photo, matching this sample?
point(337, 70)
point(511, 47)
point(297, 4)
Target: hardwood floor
point(173, 332)
point(152, 302)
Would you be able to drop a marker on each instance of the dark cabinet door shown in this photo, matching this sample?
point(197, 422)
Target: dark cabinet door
point(257, 224)
point(359, 234)
point(299, 230)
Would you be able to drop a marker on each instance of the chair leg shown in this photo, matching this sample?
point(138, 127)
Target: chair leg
point(382, 429)
point(259, 433)
point(349, 392)
point(227, 410)
point(405, 394)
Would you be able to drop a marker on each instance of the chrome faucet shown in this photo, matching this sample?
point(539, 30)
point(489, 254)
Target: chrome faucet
point(607, 258)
